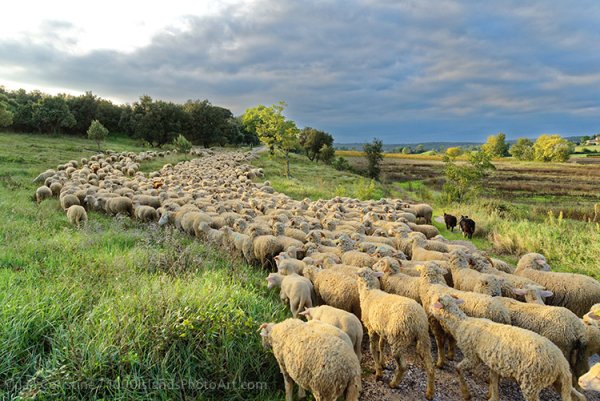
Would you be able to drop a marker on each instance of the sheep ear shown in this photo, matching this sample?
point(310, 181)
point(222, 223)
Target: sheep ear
point(519, 291)
point(438, 305)
point(262, 329)
point(546, 293)
point(378, 274)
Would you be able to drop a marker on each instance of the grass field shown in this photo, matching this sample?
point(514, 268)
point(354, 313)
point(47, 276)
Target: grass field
point(119, 310)
point(505, 229)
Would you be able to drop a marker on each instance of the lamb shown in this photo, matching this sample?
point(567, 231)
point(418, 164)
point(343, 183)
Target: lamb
point(210, 235)
point(557, 324)
point(117, 205)
point(77, 215)
point(420, 210)
point(466, 279)
point(319, 362)
point(432, 285)
point(429, 231)
point(575, 292)
point(450, 221)
point(145, 213)
point(400, 322)
point(288, 265)
point(265, 247)
point(467, 226)
point(418, 251)
point(334, 289)
point(532, 360)
point(591, 380)
point(42, 193)
point(345, 321)
point(238, 242)
point(395, 282)
point(357, 258)
point(295, 290)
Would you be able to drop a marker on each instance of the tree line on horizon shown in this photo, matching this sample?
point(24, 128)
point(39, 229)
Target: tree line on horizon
point(155, 122)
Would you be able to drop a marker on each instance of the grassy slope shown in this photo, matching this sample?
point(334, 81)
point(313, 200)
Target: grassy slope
point(503, 231)
point(119, 310)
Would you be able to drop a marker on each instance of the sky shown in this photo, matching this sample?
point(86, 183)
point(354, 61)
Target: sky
point(404, 71)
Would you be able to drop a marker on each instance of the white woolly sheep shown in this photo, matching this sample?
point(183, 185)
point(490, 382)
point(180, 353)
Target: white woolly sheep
point(77, 215)
point(68, 200)
point(345, 321)
point(532, 360)
point(395, 282)
point(42, 193)
point(288, 265)
point(397, 321)
point(297, 291)
point(334, 289)
point(317, 361)
point(576, 292)
point(145, 213)
point(466, 279)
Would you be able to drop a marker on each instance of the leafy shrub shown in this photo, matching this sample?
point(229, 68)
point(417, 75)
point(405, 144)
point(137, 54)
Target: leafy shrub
point(341, 164)
point(182, 144)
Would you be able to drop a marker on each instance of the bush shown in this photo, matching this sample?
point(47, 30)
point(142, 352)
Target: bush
point(341, 164)
point(182, 144)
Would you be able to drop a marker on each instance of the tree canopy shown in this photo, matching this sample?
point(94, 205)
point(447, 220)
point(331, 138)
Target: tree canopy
point(496, 145)
point(278, 133)
point(97, 132)
point(523, 149)
point(552, 148)
point(313, 142)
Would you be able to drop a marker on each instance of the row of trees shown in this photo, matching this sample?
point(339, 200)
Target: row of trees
point(546, 148)
point(154, 121)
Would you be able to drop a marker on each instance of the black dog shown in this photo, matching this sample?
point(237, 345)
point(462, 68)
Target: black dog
point(467, 226)
point(450, 221)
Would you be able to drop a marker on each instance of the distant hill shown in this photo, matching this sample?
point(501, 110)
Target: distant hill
point(389, 147)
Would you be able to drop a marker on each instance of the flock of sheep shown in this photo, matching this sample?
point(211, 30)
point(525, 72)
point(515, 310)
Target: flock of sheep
point(346, 265)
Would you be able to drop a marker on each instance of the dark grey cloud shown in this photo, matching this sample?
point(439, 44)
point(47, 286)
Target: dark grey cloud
point(413, 70)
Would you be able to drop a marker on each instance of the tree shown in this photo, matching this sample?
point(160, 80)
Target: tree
point(6, 116)
point(208, 124)
point(97, 132)
point(496, 145)
point(84, 109)
point(584, 139)
point(157, 122)
point(327, 154)
point(406, 150)
point(273, 129)
point(182, 144)
point(51, 114)
point(523, 149)
point(312, 141)
point(552, 148)
point(466, 180)
point(454, 152)
point(420, 148)
point(374, 154)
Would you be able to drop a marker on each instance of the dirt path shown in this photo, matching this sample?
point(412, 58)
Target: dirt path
point(412, 387)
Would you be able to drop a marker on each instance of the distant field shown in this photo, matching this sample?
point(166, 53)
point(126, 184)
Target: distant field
point(568, 187)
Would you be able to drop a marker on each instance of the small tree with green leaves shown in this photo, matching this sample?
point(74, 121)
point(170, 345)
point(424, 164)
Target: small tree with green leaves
point(464, 181)
point(406, 150)
point(420, 148)
point(523, 149)
point(182, 144)
point(454, 152)
point(496, 145)
point(273, 129)
point(327, 154)
point(374, 154)
point(96, 132)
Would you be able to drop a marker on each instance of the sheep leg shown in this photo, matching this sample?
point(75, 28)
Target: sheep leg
point(462, 367)
point(381, 350)
point(294, 307)
point(374, 347)
point(438, 334)
point(289, 385)
point(451, 347)
point(400, 368)
point(424, 352)
point(301, 392)
point(493, 387)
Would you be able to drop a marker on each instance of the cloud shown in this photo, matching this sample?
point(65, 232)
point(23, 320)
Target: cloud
point(407, 71)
